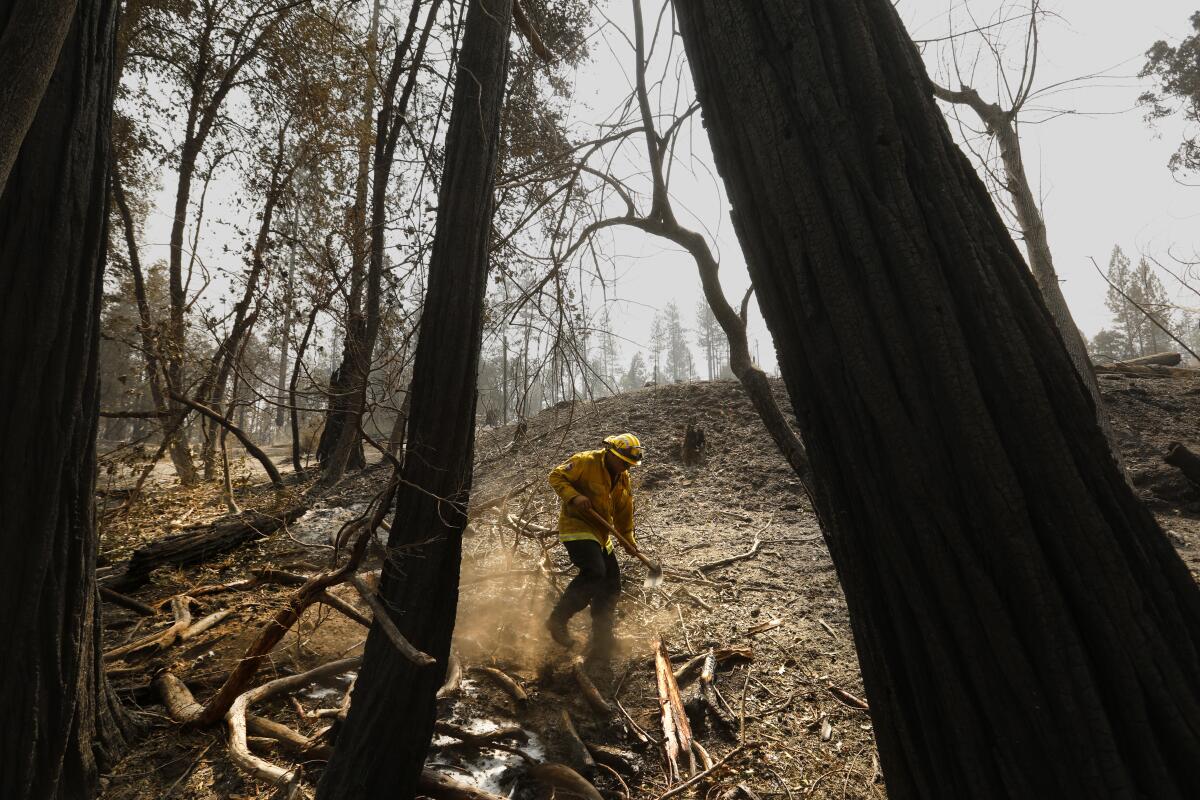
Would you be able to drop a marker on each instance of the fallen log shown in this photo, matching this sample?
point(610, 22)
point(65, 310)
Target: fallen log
point(1150, 371)
point(1183, 459)
point(118, 599)
point(560, 776)
point(502, 679)
point(590, 693)
point(580, 756)
point(613, 758)
point(202, 542)
point(1167, 359)
point(181, 705)
point(677, 734)
point(440, 786)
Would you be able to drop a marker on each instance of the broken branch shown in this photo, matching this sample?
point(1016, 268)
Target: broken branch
point(389, 627)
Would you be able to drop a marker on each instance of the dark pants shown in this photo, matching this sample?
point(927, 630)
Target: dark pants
point(598, 584)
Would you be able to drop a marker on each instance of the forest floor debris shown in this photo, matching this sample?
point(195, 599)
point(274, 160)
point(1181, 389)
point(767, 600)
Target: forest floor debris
point(784, 680)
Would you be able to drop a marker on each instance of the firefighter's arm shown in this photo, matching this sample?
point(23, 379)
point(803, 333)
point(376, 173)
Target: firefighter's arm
point(623, 514)
point(560, 481)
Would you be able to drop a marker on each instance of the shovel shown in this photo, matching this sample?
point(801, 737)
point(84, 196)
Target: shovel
point(654, 573)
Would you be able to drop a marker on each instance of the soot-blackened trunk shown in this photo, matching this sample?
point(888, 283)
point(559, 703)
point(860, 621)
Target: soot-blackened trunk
point(338, 415)
point(382, 749)
point(1024, 627)
point(62, 724)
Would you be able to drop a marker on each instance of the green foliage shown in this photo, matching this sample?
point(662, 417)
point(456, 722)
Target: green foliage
point(1175, 70)
point(1137, 300)
point(1107, 346)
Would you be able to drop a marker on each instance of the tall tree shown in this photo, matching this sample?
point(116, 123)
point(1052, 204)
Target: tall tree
point(1024, 627)
point(658, 343)
point(635, 378)
point(62, 722)
point(680, 365)
point(341, 445)
point(1154, 309)
point(382, 749)
point(1003, 124)
point(709, 338)
point(1120, 277)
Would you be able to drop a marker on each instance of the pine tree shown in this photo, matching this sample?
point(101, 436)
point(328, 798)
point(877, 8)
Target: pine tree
point(658, 343)
point(1148, 292)
point(1124, 314)
point(1108, 345)
point(680, 366)
point(608, 350)
point(635, 378)
point(709, 337)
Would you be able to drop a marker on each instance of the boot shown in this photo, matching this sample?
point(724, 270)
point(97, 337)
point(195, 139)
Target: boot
point(558, 631)
point(601, 649)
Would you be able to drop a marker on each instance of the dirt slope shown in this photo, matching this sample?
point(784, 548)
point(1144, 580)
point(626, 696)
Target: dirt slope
point(808, 742)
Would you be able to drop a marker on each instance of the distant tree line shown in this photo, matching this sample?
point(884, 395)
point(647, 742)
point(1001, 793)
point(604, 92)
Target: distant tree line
point(1142, 313)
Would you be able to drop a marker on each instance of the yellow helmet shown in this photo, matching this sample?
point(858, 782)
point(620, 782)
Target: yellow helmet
point(625, 446)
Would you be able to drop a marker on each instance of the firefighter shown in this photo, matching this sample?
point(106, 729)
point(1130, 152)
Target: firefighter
point(596, 480)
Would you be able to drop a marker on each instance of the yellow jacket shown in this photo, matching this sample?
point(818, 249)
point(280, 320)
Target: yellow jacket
point(585, 474)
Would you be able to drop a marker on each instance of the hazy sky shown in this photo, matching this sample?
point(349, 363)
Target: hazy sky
point(1101, 173)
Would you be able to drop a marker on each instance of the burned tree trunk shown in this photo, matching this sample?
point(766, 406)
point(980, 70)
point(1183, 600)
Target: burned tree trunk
point(62, 722)
point(362, 329)
point(375, 757)
point(339, 414)
point(396, 438)
point(202, 542)
point(1024, 627)
point(1002, 125)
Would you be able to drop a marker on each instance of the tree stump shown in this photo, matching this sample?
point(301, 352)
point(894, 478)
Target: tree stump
point(1187, 462)
point(693, 446)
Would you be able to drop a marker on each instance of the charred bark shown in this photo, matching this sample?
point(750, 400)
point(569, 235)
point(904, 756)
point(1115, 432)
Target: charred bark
point(1023, 626)
point(339, 416)
point(375, 757)
point(1002, 125)
point(63, 725)
point(194, 545)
